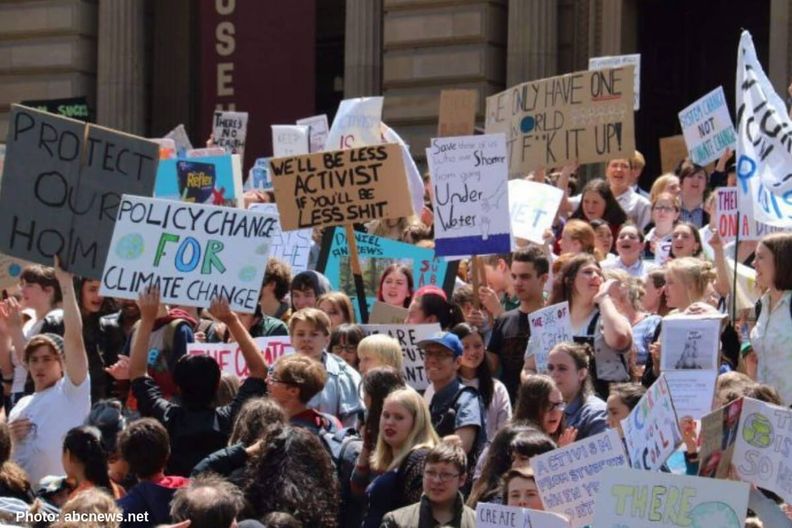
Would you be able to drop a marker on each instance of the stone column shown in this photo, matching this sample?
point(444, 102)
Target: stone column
point(780, 45)
point(363, 48)
point(533, 40)
point(611, 28)
point(122, 54)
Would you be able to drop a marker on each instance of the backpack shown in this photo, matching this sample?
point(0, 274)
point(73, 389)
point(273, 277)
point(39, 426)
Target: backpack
point(344, 446)
point(445, 421)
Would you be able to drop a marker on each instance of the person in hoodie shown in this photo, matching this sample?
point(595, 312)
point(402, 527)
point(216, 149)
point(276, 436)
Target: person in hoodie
point(195, 426)
point(145, 446)
point(306, 288)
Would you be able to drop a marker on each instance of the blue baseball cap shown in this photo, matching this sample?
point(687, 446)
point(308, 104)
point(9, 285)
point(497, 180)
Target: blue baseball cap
point(447, 340)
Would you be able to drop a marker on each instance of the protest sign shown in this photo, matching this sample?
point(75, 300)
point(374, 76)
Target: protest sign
point(568, 477)
point(672, 151)
point(651, 430)
point(707, 127)
point(289, 140)
point(581, 117)
point(62, 185)
point(457, 113)
point(74, 107)
point(10, 271)
point(615, 61)
point(532, 207)
point(692, 391)
point(549, 326)
point(690, 342)
point(356, 124)
point(167, 147)
point(499, 516)
point(341, 187)
point(181, 139)
point(384, 313)
point(230, 359)
point(376, 254)
point(206, 152)
point(469, 177)
point(726, 209)
point(718, 436)
point(763, 150)
point(408, 337)
point(292, 247)
point(213, 180)
point(229, 130)
point(640, 499)
point(259, 176)
point(192, 252)
point(317, 131)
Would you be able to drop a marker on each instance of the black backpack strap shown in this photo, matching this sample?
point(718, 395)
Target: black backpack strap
point(758, 308)
point(592, 327)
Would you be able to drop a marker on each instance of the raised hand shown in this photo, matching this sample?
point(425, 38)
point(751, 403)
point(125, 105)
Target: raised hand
point(148, 302)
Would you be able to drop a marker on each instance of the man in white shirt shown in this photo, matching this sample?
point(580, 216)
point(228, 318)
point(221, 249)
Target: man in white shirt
point(619, 175)
point(62, 397)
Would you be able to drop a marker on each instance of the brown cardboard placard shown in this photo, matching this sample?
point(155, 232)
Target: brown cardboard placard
point(384, 313)
point(457, 116)
point(672, 150)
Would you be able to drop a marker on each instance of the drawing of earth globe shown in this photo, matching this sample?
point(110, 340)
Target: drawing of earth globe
point(247, 274)
point(14, 270)
point(130, 246)
point(757, 430)
point(711, 514)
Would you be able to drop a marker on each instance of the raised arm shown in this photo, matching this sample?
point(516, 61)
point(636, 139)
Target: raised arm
point(148, 301)
point(75, 357)
point(615, 327)
point(250, 351)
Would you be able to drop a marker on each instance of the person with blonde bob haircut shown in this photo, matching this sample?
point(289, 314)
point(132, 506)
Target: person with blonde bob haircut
point(668, 182)
point(379, 350)
point(405, 438)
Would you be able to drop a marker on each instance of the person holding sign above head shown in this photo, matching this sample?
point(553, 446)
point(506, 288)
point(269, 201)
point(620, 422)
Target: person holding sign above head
point(772, 334)
point(619, 173)
point(309, 329)
point(396, 286)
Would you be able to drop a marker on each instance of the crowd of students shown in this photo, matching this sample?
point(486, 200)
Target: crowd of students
point(107, 412)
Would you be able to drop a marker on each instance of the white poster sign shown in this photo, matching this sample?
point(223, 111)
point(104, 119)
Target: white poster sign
point(692, 391)
point(499, 516)
point(289, 140)
point(690, 343)
point(532, 207)
point(408, 337)
point(317, 131)
point(616, 61)
point(549, 326)
point(292, 247)
point(707, 127)
point(356, 124)
point(229, 131)
point(230, 358)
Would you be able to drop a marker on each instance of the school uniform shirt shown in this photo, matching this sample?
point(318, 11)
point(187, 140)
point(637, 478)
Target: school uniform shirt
point(52, 412)
point(340, 395)
point(696, 216)
point(637, 208)
point(771, 338)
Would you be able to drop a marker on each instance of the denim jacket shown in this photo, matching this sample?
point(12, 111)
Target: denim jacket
point(340, 396)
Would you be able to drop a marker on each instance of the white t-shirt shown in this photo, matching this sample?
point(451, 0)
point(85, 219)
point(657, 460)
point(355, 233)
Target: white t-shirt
point(30, 329)
point(53, 412)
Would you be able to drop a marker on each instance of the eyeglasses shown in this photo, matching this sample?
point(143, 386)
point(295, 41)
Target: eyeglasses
point(272, 379)
point(557, 406)
point(442, 477)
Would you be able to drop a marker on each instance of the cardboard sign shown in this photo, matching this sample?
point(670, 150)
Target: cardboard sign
point(292, 247)
point(408, 337)
point(10, 271)
point(289, 140)
point(61, 188)
point(259, 178)
point(376, 254)
point(73, 107)
point(568, 477)
point(763, 154)
point(384, 313)
point(341, 187)
point(414, 178)
point(726, 208)
point(180, 139)
point(229, 131)
point(215, 180)
point(640, 499)
point(471, 198)
point(356, 124)
point(317, 131)
point(584, 117)
point(549, 327)
point(230, 359)
point(500, 516)
point(672, 151)
point(692, 391)
point(707, 127)
point(192, 252)
point(457, 114)
point(690, 343)
point(532, 207)
point(651, 430)
point(616, 61)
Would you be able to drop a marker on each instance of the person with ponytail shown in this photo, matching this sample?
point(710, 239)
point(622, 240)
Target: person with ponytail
point(430, 305)
point(85, 462)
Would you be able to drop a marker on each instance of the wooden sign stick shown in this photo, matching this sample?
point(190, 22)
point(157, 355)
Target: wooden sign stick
point(357, 272)
point(475, 263)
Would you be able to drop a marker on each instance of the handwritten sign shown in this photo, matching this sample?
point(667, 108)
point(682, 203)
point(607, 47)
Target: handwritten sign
point(341, 187)
point(10, 271)
point(408, 337)
point(672, 151)
point(651, 430)
point(616, 61)
point(726, 208)
point(568, 477)
point(229, 130)
point(215, 180)
point(289, 140)
point(384, 313)
point(707, 127)
point(180, 139)
point(192, 252)
point(532, 207)
point(230, 359)
point(469, 176)
point(690, 343)
point(61, 188)
point(640, 499)
point(549, 327)
point(259, 176)
point(292, 247)
point(585, 117)
point(500, 516)
point(356, 124)
point(414, 178)
point(692, 391)
point(317, 131)
point(457, 113)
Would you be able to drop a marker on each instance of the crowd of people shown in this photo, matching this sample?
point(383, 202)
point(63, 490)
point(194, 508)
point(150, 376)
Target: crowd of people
point(106, 412)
